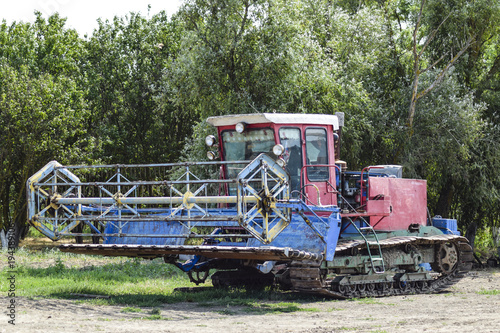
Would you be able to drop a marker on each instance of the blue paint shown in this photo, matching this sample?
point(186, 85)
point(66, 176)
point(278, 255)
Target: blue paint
point(297, 235)
point(426, 266)
point(348, 230)
point(161, 227)
point(447, 226)
point(150, 227)
point(189, 264)
point(334, 226)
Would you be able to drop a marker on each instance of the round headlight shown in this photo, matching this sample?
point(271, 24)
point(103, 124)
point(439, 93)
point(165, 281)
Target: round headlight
point(240, 127)
point(278, 150)
point(281, 162)
point(211, 155)
point(210, 140)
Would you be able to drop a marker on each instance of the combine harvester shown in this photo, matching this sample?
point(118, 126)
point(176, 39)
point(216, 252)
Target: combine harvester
point(281, 209)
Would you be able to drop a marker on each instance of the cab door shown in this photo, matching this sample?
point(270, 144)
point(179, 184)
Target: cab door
point(291, 139)
point(319, 169)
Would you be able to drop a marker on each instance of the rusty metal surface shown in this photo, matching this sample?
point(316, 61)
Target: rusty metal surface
point(223, 252)
point(240, 252)
point(344, 245)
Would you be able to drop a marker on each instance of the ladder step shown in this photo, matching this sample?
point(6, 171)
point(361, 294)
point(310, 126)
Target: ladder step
point(377, 259)
point(366, 228)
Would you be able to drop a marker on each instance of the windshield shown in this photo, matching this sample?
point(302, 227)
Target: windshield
point(246, 146)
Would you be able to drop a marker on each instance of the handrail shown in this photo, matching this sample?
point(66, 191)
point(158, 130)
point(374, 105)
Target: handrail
point(319, 166)
point(362, 182)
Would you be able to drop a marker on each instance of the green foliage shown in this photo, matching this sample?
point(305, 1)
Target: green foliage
point(133, 114)
point(42, 118)
point(139, 88)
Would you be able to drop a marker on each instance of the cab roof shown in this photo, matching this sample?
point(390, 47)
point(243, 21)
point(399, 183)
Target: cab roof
point(276, 118)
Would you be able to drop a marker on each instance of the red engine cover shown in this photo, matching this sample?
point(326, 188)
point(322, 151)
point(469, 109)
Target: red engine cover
point(395, 203)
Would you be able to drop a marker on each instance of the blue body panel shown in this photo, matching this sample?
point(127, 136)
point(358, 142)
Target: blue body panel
point(447, 226)
point(162, 227)
point(297, 235)
point(320, 237)
point(153, 227)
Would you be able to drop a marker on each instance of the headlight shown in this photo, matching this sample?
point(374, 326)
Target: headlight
point(240, 127)
point(281, 162)
point(278, 150)
point(210, 140)
point(211, 155)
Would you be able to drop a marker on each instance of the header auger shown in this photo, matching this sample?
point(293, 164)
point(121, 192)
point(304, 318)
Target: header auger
point(283, 209)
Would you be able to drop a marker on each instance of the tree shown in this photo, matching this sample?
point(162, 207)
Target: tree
point(417, 63)
point(41, 119)
point(132, 110)
point(42, 109)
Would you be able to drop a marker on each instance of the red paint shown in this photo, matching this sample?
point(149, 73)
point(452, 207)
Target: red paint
point(406, 200)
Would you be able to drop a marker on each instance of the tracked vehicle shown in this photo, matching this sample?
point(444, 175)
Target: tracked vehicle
point(277, 206)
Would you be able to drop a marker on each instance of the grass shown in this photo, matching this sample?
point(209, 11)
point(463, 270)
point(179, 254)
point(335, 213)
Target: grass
point(131, 282)
point(367, 300)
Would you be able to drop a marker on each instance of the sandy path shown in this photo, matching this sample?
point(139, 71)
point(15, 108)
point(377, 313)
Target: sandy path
point(465, 308)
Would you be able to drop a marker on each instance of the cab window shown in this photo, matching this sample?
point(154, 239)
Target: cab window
point(290, 139)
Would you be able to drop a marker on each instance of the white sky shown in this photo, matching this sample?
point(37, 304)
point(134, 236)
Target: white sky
point(82, 15)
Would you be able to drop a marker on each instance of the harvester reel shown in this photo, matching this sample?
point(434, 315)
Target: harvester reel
point(266, 183)
point(52, 219)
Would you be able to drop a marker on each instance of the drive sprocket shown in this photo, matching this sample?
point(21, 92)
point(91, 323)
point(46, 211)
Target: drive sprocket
point(446, 257)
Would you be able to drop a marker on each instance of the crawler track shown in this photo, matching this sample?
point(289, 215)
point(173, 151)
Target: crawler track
point(309, 277)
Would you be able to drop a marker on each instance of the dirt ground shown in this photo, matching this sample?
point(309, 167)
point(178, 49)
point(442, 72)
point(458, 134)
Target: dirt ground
point(466, 307)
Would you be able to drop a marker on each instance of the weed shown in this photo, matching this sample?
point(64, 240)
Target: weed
point(153, 317)
point(130, 309)
point(155, 311)
point(226, 312)
point(489, 292)
point(282, 307)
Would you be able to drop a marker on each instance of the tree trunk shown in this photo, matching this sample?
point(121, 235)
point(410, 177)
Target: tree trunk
point(3, 239)
point(470, 234)
point(445, 198)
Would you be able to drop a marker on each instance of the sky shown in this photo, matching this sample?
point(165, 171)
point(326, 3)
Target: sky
point(82, 15)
